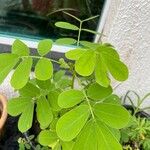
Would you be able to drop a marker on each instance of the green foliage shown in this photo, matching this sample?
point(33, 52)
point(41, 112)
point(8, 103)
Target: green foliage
point(96, 136)
point(70, 98)
point(99, 61)
point(70, 118)
point(44, 46)
point(44, 113)
point(138, 129)
point(21, 74)
point(44, 69)
point(138, 132)
point(65, 41)
point(47, 137)
point(20, 49)
point(26, 118)
point(7, 66)
point(66, 25)
point(113, 115)
point(70, 124)
point(97, 92)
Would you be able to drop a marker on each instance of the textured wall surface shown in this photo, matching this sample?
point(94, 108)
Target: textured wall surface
point(129, 32)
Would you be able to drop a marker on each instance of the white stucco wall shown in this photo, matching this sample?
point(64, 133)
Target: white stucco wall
point(128, 29)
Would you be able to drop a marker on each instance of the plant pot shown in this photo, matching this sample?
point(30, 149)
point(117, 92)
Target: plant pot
point(133, 143)
point(3, 112)
point(141, 114)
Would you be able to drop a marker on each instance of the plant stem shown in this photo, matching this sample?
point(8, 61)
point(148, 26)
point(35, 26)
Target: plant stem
point(39, 57)
point(90, 107)
point(140, 103)
point(87, 99)
point(79, 33)
point(73, 79)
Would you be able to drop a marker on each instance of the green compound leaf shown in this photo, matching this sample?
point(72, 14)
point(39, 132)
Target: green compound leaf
point(21, 75)
point(85, 65)
point(113, 99)
point(53, 100)
point(26, 118)
point(44, 113)
point(19, 48)
point(91, 31)
point(16, 106)
point(89, 45)
point(108, 51)
point(47, 137)
point(117, 69)
point(113, 115)
point(7, 63)
point(44, 69)
point(59, 75)
point(70, 124)
point(67, 145)
point(29, 90)
point(70, 98)
point(66, 41)
point(63, 63)
point(45, 85)
point(44, 46)
point(97, 92)
point(66, 25)
point(75, 54)
point(96, 136)
point(101, 74)
point(100, 59)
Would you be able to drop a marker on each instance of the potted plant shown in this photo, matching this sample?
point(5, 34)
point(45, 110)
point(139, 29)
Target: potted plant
point(3, 112)
point(136, 136)
point(79, 112)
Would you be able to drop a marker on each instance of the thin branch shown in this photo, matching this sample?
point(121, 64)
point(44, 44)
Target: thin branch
point(72, 16)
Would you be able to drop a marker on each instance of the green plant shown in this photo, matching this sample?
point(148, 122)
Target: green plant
point(136, 101)
point(24, 144)
point(86, 117)
point(136, 135)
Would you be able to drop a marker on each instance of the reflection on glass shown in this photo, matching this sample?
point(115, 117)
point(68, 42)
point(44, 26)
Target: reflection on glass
point(33, 18)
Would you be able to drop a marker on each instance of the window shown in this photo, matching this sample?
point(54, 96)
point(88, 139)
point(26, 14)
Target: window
point(34, 18)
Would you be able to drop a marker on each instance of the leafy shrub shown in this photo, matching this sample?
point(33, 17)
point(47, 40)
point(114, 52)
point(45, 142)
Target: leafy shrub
point(85, 118)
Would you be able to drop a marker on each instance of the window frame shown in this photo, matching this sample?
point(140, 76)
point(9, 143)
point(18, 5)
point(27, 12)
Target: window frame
point(5, 40)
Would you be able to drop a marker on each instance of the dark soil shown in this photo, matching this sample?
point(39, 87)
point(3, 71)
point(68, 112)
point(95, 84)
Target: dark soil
point(10, 135)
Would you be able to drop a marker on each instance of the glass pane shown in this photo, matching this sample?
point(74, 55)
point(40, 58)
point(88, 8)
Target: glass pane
point(33, 18)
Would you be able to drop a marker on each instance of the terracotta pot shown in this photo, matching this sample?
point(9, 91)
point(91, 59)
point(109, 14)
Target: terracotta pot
point(3, 111)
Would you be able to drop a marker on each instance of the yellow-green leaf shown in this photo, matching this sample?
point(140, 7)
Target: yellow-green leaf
point(70, 124)
point(47, 138)
point(21, 74)
point(65, 41)
point(44, 69)
point(44, 113)
point(96, 136)
point(44, 46)
point(16, 106)
point(26, 118)
point(75, 54)
point(101, 74)
point(85, 65)
point(19, 48)
point(115, 116)
point(97, 92)
point(70, 98)
point(66, 25)
point(7, 63)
